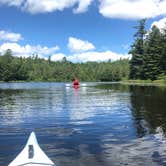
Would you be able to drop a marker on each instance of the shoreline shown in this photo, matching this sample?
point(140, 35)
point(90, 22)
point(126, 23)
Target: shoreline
point(144, 82)
point(126, 82)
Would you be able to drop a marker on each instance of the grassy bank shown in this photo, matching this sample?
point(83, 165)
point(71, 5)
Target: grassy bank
point(161, 82)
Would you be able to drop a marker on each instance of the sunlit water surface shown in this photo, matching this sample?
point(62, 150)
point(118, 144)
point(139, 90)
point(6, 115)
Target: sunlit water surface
point(95, 125)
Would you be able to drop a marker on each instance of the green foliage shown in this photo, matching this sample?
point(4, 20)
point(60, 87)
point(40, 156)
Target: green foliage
point(163, 53)
point(152, 54)
point(6, 66)
point(115, 71)
point(148, 53)
point(36, 69)
point(162, 78)
point(137, 51)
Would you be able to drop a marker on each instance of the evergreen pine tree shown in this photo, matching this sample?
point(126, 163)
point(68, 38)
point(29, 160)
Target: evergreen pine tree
point(137, 51)
point(152, 54)
point(162, 62)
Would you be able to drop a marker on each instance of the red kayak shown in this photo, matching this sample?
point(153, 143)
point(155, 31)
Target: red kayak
point(76, 84)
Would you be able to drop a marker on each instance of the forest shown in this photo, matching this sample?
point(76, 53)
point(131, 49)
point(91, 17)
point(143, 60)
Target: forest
point(148, 62)
point(148, 53)
point(37, 69)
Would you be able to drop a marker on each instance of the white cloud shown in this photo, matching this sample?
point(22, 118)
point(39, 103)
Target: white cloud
point(45, 52)
point(78, 45)
point(82, 6)
point(9, 36)
point(125, 9)
point(28, 50)
point(38, 6)
point(161, 24)
point(82, 52)
point(57, 57)
point(132, 9)
point(97, 56)
point(43, 6)
point(12, 2)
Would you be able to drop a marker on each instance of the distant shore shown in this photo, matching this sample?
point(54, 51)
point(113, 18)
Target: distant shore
point(145, 82)
point(128, 82)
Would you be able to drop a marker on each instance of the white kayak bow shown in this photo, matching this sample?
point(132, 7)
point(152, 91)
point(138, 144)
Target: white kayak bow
point(32, 155)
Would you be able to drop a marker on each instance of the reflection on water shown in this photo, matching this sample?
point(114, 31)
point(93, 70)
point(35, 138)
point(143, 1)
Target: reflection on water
point(97, 124)
point(148, 108)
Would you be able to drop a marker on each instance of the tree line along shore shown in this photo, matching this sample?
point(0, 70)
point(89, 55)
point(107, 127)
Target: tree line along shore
point(37, 69)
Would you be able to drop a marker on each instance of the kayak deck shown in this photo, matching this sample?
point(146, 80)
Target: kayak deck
point(32, 155)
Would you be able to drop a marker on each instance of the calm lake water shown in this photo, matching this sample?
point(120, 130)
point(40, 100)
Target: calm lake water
point(95, 125)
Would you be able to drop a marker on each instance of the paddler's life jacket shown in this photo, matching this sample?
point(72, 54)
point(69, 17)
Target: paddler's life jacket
point(76, 82)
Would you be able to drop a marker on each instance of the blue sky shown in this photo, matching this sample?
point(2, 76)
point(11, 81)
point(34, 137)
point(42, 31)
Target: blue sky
point(80, 30)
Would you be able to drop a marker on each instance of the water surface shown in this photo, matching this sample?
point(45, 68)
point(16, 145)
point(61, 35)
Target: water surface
point(95, 125)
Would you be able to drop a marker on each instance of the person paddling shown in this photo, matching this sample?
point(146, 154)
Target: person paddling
point(76, 83)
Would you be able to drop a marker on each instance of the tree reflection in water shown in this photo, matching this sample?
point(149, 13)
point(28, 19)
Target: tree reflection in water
point(148, 109)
